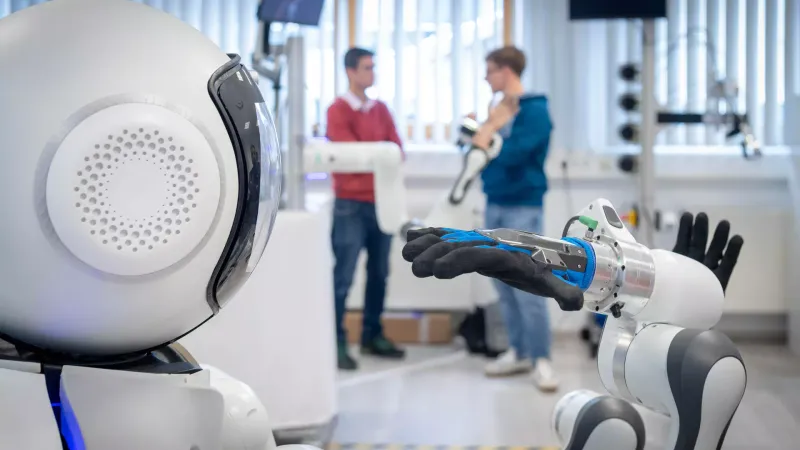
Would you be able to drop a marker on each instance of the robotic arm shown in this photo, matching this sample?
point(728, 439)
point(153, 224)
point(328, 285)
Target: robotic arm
point(723, 95)
point(657, 349)
point(384, 161)
point(708, 361)
point(475, 160)
point(451, 208)
point(482, 144)
point(722, 98)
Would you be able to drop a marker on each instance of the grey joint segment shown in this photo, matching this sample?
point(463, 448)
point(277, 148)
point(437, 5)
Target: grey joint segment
point(692, 354)
point(599, 410)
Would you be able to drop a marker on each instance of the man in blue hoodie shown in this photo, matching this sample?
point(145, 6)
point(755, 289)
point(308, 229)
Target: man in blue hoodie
point(515, 184)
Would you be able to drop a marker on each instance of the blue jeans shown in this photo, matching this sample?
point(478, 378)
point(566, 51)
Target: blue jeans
point(526, 316)
point(355, 226)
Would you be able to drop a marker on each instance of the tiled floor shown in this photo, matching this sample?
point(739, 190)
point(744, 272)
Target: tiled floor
point(439, 397)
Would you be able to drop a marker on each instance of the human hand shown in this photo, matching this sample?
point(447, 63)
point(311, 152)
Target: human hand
point(472, 116)
point(446, 253)
point(503, 112)
point(691, 242)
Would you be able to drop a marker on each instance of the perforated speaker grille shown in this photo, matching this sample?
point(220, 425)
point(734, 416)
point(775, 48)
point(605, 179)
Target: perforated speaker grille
point(103, 217)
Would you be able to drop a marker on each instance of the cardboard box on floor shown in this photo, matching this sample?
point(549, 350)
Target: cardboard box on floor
point(405, 328)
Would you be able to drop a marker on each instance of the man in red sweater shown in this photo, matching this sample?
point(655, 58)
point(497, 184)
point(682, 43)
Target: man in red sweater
point(354, 117)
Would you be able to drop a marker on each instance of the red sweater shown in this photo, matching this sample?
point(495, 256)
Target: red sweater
point(351, 120)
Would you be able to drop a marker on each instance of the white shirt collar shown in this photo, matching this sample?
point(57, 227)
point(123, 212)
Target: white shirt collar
point(356, 103)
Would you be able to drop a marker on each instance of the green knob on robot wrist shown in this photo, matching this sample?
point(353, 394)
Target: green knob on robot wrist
point(588, 221)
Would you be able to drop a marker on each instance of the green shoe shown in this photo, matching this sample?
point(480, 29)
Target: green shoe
point(345, 361)
point(382, 347)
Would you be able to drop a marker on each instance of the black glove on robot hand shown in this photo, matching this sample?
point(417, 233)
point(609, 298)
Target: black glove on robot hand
point(446, 253)
point(692, 239)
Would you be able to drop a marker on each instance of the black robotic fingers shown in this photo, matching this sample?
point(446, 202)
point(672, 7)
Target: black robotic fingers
point(723, 253)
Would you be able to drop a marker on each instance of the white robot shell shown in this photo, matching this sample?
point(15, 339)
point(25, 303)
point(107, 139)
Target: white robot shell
point(140, 177)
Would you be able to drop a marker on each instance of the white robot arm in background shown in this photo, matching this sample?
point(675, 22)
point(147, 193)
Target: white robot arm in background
point(449, 208)
point(384, 161)
point(658, 349)
point(142, 201)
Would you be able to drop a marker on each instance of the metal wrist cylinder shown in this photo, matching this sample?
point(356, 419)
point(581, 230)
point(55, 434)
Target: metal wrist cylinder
point(624, 276)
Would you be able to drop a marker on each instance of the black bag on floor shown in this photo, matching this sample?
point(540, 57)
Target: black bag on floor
point(473, 330)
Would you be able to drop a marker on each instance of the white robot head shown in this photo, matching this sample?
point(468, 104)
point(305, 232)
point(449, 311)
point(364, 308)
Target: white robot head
point(140, 177)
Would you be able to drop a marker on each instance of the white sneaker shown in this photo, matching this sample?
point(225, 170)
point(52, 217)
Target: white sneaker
point(544, 376)
point(508, 364)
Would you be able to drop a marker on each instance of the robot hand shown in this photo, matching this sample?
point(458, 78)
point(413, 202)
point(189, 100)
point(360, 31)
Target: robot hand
point(602, 269)
point(446, 253)
point(691, 242)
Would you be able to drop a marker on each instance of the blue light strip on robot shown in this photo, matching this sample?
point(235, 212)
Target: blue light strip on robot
point(71, 432)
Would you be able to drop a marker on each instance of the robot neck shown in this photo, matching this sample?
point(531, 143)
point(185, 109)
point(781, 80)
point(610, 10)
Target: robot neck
point(168, 359)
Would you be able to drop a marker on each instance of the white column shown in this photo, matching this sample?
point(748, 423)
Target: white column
point(661, 76)
point(614, 115)
point(385, 45)
point(419, 125)
point(562, 87)
point(399, 44)
point(580, 55)
point(497, 23)
point(246, 24)
point(752, 78)
point(712, 59)
point(771, 107)
point(648, 132)
point(791, 136)
point(477, 60)
point(340, 46)
point(695, 76)
point(359, 21)
point(522, 21)
point(229, 27)
point(633, 40)
point(674, 66)
point(590, 94)
point(456, 75)
point(732, 40)
point(298, 131)
point(327, 39)
point(438, 126)
point(792, 49)
point(541, 47)
point(523, 26)
point(791, 106)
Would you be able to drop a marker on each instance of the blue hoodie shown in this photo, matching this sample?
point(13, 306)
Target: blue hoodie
point(516, 177)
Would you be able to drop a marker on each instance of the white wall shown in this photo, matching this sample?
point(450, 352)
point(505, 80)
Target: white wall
point(754, 196)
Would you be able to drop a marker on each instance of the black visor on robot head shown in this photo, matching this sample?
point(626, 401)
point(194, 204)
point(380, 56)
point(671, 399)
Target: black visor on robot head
point(252, 133)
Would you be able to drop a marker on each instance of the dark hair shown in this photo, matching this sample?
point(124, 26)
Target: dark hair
point(354, 55)
point(510, 57)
